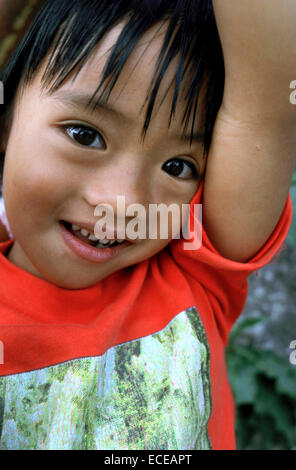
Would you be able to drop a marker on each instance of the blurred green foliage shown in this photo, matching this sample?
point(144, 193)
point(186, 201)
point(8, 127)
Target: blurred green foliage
point(292, 232)
point(264, 389)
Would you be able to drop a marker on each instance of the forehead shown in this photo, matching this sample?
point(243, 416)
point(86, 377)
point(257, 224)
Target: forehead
point(136, 75)
point(134, 82)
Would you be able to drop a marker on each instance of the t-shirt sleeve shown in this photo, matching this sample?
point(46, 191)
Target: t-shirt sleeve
point(225, 280)
point(269, 252)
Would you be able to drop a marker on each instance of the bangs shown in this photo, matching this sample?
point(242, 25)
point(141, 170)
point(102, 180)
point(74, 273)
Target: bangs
point(68, 32)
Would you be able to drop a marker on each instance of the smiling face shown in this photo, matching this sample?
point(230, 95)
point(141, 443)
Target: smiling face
point(63, 159)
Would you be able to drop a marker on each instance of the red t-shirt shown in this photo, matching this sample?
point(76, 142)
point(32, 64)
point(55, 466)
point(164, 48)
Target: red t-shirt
point(134, 362)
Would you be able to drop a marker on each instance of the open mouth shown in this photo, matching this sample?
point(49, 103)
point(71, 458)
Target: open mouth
point(89, 238)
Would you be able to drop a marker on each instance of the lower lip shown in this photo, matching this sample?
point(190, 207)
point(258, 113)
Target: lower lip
point(88, 252)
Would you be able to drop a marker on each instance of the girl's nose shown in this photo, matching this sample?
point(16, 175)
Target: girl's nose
point(115, 187)
point(112, 200)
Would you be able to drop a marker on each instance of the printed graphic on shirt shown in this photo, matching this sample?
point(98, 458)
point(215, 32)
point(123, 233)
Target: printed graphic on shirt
point(150, 393)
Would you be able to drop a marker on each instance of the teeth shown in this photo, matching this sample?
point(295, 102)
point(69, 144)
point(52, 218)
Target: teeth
point(104, 242)
point(84, 232)
point(93, 238)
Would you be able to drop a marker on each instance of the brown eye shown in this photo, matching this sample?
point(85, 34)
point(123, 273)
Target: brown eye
point(180, 169)
point(86, 136)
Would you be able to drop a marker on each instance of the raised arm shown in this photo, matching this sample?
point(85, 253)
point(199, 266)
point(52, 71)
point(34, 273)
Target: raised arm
point(253, 152)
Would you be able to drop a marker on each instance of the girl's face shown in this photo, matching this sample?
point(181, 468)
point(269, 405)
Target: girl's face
point(63, 159)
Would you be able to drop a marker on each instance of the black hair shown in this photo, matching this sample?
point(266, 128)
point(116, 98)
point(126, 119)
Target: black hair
point(69, 30)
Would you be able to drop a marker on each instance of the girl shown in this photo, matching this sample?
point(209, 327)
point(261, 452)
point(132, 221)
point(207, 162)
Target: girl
point(123, 347)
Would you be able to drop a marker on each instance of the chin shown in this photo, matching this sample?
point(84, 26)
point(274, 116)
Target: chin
point(74, 283)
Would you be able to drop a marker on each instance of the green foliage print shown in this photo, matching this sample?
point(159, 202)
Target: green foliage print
point(151, 393)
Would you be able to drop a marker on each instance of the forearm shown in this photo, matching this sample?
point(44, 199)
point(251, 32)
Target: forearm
point(258, 41)
point(247, 180)
point(253, 151)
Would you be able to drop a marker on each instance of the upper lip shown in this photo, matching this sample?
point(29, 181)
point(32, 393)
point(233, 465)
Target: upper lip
point(90, 227)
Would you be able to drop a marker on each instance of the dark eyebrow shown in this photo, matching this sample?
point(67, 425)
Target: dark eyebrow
point(197, 137)
point(85, 101)
point(82, 100)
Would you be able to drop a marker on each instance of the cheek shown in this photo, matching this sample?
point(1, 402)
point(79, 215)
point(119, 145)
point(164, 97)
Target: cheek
point(170, 221)
point(33, 187)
